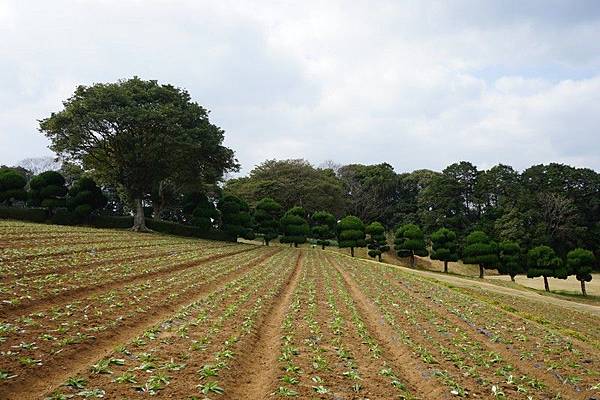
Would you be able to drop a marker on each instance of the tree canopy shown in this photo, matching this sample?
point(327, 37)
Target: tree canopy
point(410, 242)
point(12, 186)
point(480, 250)
point(580, 262)
point(235, 217)
point(509, 259)
point(323, 227)
point(135, 134)
point(294, 227)
point(85, 197)
point(351, 233)
point(47, 190)
point(543, 261)
point(376, 242)
point(266, 216)
point(291, 183)
point(444, 246)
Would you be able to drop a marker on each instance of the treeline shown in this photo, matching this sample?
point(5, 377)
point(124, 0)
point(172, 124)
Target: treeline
point(544, 221)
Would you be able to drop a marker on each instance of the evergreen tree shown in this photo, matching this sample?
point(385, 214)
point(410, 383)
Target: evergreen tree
point(266, 217)
point(580, 263)
point(199, 210)
point(444, 246)
point(47, 190)
point(376, 243)
point(410, 242)
point(351, 233)
point(323, 228)
point(509, 259)
point(85, 197)
point(543, 261)
point(480, 250)
point(294, 227)
point(12, 186)
point(235, 217)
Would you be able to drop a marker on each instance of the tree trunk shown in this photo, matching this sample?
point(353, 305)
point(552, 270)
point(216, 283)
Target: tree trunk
point(266, 242)
point(295, 244)
point(446, 266)
point(481, 272)
point(583, 288)
point(512, 278)
point(352, 251)
point(546, 286)
point(322, 247)
point(412, 260)
point(379, 256)
point(139, 222)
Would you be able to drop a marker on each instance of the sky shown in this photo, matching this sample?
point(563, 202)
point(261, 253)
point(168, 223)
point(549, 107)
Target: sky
point(417, 84)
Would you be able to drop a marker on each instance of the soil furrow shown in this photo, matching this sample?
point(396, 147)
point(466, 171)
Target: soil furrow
point(70, 363)
point(421, 384)
point(87, 291)
point(258, 367)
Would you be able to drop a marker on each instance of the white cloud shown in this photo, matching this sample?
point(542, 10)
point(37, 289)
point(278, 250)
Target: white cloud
point(417, 84)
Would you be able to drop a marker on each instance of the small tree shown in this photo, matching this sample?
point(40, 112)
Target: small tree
point(294, 227)
point(410, 241)
point(480, 250)
point(444, 246)
point(509, 259)
point(580, 263)
point(323, 228)
point(266, 217)
point(351, 233)
point(12, 186)
point(199, 210)
point(85, 197)
point(47, 190)
point(376, 243)
point(235, 217)
point(543, 261)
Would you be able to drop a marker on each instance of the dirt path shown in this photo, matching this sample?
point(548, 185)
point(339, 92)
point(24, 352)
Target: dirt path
point(411, 370)
point(258, 367)
point(44, 303)
point(50, 376)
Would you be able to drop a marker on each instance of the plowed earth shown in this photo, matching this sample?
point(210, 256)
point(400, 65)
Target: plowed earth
point(89, 313)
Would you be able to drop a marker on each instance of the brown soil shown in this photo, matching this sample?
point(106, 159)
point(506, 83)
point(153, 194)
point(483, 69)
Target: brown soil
point(87, 291)
point(411, 370)
point(73, 361)
point(258, 368)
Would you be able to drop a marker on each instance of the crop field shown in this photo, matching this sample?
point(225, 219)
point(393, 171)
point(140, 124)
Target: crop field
point(89, 313)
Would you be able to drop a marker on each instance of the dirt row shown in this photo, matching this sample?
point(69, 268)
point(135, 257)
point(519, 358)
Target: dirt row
point(77, 357)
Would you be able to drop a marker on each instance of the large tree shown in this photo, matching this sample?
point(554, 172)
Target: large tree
point(323, 228)
point(371, 191)
point(291, 183)
point(351, 233)
point(410, 242)
point(136, 134)
point(543, 261)
point(481, 250)
point(294, 227)
point(266, 217)
point(376, 242)
point(580, 262)
point(444, 246)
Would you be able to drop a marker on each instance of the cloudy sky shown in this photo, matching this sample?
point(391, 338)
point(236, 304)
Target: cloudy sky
point(415, 83)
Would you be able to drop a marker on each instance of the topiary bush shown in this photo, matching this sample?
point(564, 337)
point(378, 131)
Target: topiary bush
point(47, 190)
point(351, 233)
point(12, 186)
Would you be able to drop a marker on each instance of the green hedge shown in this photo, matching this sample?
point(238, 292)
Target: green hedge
point(65, 217)
point(24, 214)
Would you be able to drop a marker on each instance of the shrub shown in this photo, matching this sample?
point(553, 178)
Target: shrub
point(24, 214)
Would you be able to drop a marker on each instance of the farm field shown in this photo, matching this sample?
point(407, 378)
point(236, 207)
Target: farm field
point(90, 313)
